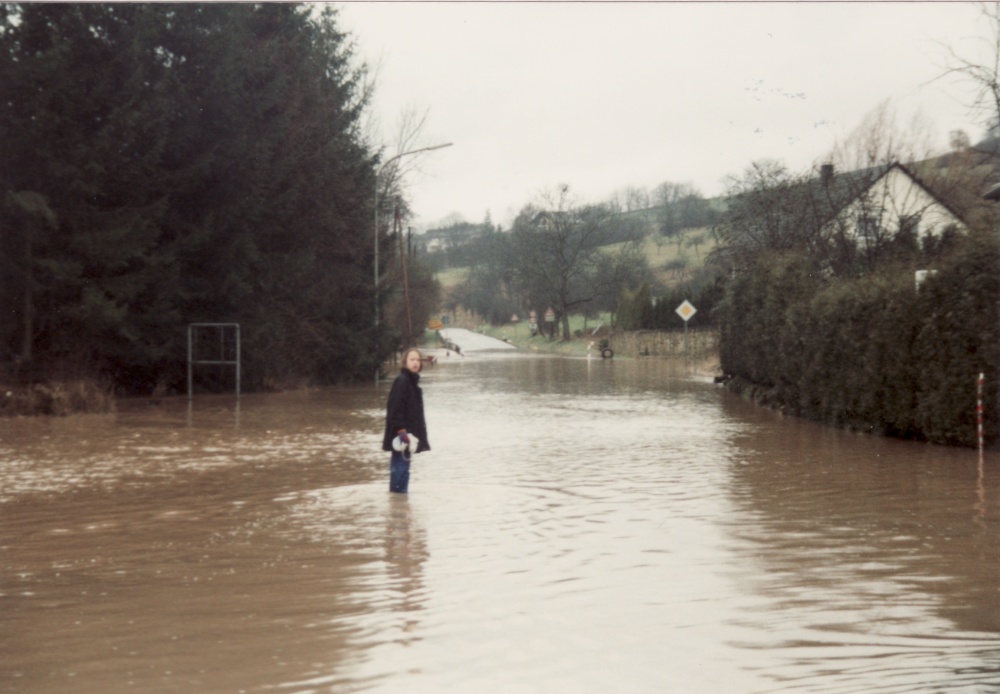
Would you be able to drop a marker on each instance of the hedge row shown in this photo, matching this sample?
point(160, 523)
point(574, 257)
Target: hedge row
point(871, 353)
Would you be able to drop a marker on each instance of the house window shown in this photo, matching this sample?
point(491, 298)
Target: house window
point(910, 224)
point(867, 229)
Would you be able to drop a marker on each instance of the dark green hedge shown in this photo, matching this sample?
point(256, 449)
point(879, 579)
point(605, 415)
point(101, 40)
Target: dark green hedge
point(871, 353)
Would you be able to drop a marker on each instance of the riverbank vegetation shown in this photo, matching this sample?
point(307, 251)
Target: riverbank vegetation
point(169, 164)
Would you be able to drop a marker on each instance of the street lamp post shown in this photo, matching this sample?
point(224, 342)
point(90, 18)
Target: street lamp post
point(378, 174)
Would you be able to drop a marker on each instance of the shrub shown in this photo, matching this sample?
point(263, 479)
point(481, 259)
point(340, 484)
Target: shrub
point(959, 338)
point(61, 398)
point(871, 353)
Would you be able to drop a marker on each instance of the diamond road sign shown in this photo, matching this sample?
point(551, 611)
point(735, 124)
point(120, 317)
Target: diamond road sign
point(686, 310)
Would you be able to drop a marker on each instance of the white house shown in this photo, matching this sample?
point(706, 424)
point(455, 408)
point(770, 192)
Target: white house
point(876, 205)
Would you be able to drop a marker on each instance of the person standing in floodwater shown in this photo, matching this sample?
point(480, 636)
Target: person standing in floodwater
point(404, 419)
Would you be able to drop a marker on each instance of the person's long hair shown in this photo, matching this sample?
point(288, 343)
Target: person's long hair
point(419, 354)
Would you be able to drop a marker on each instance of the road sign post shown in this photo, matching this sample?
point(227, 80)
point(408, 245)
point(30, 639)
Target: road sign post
point(685, 311)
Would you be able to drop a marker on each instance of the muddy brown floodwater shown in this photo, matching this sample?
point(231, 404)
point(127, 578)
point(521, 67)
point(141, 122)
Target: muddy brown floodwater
point(580, 526)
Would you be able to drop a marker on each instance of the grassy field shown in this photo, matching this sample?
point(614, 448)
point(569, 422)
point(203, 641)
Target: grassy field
point(671, 260)
point(451, 277)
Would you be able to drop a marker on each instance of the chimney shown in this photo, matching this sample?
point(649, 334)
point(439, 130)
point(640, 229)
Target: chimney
point(826, 174)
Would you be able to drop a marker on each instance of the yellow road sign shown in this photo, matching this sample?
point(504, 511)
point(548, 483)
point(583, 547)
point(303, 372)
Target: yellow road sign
point(686, 310)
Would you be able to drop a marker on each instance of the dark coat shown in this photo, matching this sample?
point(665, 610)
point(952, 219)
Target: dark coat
point(405, 410)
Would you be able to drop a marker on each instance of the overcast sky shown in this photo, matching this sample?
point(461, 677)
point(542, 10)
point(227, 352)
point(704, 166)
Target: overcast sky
point(604, 95)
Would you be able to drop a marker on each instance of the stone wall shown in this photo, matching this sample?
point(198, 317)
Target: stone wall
point(696, 345)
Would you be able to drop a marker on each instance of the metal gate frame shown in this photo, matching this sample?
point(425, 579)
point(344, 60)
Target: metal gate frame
point(192, 361)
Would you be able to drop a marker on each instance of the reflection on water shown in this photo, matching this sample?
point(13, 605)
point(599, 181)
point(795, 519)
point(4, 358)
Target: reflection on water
point(581, 525)
point(888, 549)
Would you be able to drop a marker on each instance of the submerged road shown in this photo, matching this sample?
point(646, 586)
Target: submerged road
point(579, 526)
point(470, 341)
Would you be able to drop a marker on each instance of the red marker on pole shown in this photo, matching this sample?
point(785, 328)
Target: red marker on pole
point(979, 409)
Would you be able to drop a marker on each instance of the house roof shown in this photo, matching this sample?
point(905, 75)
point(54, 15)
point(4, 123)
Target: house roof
point(993, 193)
point(843, 189)
point(957, 214)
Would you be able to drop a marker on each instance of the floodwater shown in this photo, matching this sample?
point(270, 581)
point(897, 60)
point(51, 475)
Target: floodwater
point(579, 526)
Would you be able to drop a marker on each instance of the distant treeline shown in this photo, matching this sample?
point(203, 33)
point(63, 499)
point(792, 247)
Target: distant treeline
point(166, 164)
point(872, 353)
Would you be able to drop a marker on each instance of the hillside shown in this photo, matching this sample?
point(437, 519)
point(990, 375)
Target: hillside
point(672, 260)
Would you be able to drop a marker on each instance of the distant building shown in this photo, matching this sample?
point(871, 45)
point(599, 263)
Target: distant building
point(449, 238)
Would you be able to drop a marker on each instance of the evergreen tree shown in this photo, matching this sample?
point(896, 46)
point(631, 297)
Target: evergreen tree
point(80, 124)
point(201, 162)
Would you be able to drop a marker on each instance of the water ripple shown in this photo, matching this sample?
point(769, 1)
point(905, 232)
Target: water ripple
point(581, 526)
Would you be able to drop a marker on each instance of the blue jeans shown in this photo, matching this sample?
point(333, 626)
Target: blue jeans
point(399, 473)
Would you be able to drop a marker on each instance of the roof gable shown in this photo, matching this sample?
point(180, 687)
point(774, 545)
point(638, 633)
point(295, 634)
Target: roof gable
point(842, 191)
